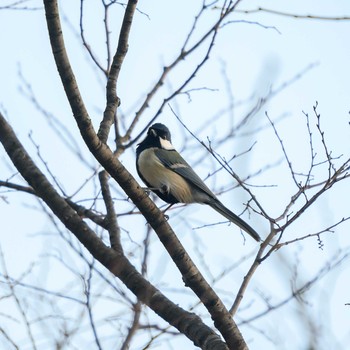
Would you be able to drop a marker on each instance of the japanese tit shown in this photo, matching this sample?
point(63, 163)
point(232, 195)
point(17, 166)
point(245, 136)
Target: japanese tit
point(168, 175)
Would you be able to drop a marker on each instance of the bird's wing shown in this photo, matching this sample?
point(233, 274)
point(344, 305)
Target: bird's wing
point(172, 160)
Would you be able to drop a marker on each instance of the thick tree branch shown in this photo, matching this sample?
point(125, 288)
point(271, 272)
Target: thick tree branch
point(66, 74)
point(187, 323)
point(154, 217)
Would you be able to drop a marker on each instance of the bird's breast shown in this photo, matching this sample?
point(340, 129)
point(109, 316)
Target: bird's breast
point(162, 178)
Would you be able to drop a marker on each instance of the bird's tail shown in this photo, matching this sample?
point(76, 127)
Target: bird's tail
point(220, 208)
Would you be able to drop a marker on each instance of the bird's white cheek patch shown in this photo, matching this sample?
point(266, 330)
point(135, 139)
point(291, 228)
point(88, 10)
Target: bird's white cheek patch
point(166, 144)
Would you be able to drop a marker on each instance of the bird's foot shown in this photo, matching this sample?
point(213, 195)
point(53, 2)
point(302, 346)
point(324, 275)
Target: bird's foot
point(167, 208)
point(148, 190)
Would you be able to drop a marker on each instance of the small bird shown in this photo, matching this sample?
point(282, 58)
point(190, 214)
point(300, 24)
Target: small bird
point(168, 175)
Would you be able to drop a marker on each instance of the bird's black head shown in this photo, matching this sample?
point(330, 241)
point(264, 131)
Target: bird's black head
point(158, 135)
point(159, 130)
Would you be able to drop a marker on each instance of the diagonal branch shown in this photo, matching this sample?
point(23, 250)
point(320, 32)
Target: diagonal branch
point(116, 262)
point(193, 278)
point(67, 76)
point(118, 59)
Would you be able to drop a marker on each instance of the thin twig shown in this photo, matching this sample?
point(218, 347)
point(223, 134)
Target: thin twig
point(86, 45)
point(89, 306)
point(184, 53)
point(316, 234)
point(332, 264)
point(294, 15)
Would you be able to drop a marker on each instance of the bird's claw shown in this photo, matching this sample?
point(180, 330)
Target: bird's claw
point(147, 190)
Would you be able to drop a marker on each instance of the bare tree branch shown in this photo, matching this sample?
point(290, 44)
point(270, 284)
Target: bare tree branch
point(86, 45)
point(111, 218)
point(111, 90)
point(18, 303)
point(189, 324)
point(294, 15)
point(103, 154)
point(227, 9)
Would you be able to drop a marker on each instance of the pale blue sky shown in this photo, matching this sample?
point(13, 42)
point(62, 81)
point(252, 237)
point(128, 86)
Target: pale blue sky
point(256, 59)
